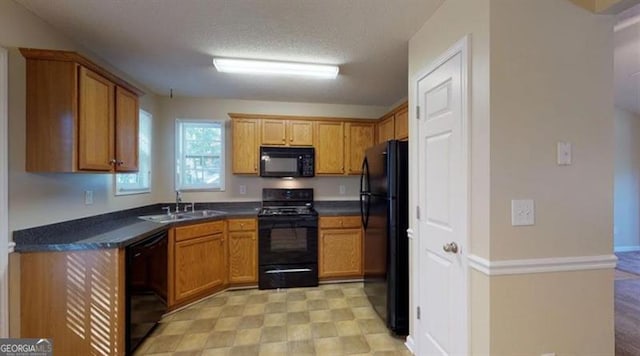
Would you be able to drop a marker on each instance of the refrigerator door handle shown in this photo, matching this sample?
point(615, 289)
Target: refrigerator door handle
point(364, 194)
point(364, 208)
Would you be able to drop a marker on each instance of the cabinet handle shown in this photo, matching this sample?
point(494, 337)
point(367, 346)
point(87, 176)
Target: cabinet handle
point(284, 140)
point(120, 163)
point(112, 161)
point(291, 140)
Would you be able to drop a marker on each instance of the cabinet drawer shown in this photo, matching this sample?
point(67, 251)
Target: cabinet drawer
point(242, 224)
point(337, 222)
point(191, 231)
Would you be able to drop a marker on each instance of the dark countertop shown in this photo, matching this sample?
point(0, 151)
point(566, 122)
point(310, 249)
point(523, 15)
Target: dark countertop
point(114, 230)
point(123, 228)
point(337, 207)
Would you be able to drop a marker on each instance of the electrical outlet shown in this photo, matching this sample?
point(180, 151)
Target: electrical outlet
point(522, 212)
point(88, 197)
point(342, 189)
point(243, 189)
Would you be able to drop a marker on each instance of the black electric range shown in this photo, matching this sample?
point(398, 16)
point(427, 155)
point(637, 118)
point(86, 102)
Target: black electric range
point(288, 239)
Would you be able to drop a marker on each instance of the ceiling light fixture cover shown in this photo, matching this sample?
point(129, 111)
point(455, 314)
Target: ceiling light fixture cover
point(231, 65)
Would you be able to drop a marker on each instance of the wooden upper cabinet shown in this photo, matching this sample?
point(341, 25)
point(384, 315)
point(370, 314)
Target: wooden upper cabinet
point(300, 133)
point(339, 143)
point(76, 113)
point(401, 119)
point(96, 122)
point(279, 132)
point(386, 129)
point(359, 137)
point(274, 132)
point(329, 147)
point(127, 126)
point(245, 145)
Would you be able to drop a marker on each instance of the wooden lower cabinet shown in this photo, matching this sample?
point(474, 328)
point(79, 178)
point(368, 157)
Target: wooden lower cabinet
point(243, 251)
point(76, 298)
point(340, 247)
point(197, 262)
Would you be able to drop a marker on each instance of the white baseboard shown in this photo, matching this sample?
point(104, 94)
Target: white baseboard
point(631, 248)
point(410, 344)
point(541, 265)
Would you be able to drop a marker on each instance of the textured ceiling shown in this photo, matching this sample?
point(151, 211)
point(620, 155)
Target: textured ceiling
point(167, 44)
point(627, 61)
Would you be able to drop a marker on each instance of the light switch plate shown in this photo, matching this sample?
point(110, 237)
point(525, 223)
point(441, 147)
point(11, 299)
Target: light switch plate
point(564, 153)
point(522, 212)
point(88, 197)
point(243, 189)
point(342, 189)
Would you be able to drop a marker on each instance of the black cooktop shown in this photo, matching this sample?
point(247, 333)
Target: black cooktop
point(287, 211)
point(287, 202)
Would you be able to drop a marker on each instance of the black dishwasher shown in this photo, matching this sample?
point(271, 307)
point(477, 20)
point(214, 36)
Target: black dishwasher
point(146, 287)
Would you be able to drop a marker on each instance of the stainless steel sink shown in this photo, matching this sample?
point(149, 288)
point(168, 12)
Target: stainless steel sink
point(197, 214)
point(192, 215)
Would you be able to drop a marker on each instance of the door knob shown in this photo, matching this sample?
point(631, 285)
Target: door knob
point(451, 247)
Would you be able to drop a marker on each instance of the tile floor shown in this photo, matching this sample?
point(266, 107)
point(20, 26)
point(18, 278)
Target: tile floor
point(332, 319)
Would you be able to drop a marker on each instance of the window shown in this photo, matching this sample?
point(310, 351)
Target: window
point(135, 183)
point(199, 155)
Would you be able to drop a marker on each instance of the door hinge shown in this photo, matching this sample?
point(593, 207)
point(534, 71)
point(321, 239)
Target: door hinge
point(418, 212)
point(418, 112)
point(418, 312)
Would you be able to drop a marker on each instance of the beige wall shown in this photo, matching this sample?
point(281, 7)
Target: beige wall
point(325, 188)
point(532, 86)
point(568, 313)
point(38, 199)
point(551, 83)
point(626, 210)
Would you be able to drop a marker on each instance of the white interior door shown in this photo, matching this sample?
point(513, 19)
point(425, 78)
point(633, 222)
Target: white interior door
point(443, 202)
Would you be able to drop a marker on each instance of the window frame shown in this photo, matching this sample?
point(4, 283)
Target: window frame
point(147, 190)
point(178, 155)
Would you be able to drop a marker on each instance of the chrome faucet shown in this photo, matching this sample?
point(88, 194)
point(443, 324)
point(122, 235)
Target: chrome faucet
point(178, 200)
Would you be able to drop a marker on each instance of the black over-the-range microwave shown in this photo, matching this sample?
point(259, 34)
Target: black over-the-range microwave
point(296, 162)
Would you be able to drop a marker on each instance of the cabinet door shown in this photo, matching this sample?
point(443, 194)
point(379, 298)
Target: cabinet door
point(386, 129)
point(126, 131)
point(300, 133)
point(273, 132)
point(329, 147)
point(95, 122)
point(245, 146)
point(340, 253)
point(402, 124)
point(199, 265)
point(243, 257)
point(359, 138)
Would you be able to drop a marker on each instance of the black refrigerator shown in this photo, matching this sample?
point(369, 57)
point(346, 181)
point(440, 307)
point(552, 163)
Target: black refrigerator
point(384, 187)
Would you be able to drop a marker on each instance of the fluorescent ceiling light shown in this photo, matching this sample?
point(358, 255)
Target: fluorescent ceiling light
point(252, 66)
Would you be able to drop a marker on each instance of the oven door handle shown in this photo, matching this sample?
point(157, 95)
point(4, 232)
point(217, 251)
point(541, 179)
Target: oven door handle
point(287, 224)
point(292, 270)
